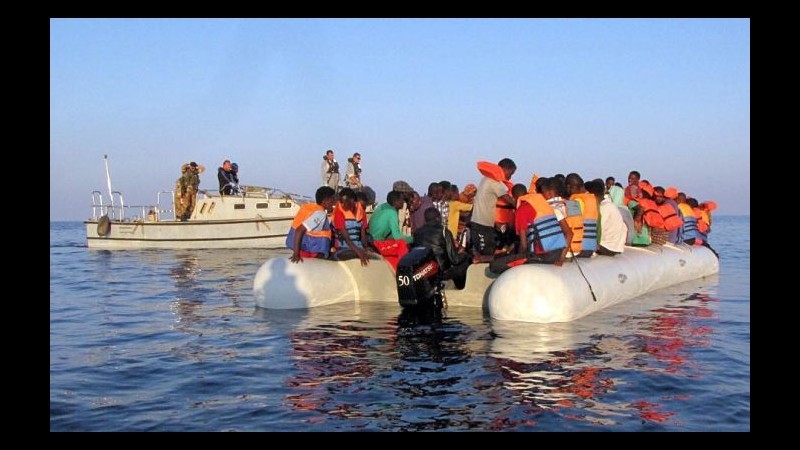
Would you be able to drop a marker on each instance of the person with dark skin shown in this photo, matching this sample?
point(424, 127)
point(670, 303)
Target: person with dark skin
point(674, 236)
point(482, 224)
point(310, 235)
point(612, 230)
point(525, 217)
point(350, 225)
point(632, 192)
point(440, 240)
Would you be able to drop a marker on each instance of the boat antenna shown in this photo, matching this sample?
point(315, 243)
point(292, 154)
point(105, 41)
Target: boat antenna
point(108, 181)
point(575, 260)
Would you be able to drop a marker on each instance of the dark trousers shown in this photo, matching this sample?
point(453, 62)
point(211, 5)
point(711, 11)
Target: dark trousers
point(503, 263)
point(484, 239)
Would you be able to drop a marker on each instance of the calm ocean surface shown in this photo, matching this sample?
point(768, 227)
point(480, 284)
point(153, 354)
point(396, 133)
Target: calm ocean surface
point(171, 340)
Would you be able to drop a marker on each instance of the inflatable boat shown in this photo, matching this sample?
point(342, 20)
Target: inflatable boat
point(280, 284)
point(543, 293)
point(528, 293)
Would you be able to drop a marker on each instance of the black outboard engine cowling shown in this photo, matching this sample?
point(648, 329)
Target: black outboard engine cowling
point(419, 279)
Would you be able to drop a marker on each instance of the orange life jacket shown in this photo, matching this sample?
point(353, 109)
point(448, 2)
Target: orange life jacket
point(316, 241)
point(504, 211)
point(702, 222)
point(532, 187)
point(627, 197)
point(544, 233)
point(652, 216)
point(672, 221)
point(574, 219)
point(585, 228)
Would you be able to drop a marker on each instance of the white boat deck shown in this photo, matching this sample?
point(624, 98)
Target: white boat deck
point(258, 218)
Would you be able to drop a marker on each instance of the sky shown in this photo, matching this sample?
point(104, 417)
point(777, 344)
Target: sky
point(422, 100)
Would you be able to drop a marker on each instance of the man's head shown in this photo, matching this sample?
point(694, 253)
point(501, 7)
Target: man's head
point(445, 189)
point(413, 201)
point(234, 168)
point(326, 197)
point(395, 199)
point(518, 190)
point(329, 154)
point(658, 195)
point(633, 177)
point(574, 184)
point(610, 181)
point(596, 187)
point(356, 157)
point(681, 197)
point(454, 192)
point(548, 187)
point(508, 167)
point(226, 165)
point(435, 191)
point(347, 197)
point(432, 215)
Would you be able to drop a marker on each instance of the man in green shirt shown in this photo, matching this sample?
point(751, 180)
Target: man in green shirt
point(385, 230)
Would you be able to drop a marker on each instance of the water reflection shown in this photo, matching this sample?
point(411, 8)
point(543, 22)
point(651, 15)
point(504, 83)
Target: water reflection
point(576, 369)
point(386, 369)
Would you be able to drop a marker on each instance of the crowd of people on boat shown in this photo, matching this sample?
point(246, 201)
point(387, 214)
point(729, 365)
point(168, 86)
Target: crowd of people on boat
point(498, 222)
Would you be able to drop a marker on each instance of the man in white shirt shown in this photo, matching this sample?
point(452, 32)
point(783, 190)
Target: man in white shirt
point(612, 229)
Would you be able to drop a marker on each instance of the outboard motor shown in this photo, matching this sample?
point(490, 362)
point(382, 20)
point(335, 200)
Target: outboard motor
point(419, 279)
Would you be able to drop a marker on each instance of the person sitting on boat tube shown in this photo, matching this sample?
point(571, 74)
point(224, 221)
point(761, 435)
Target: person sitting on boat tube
point(632, 192)
point(350, 226)
point(544, 233)
point(670, 214)
point(385, 229)
point(310, 234)
point(612, 230)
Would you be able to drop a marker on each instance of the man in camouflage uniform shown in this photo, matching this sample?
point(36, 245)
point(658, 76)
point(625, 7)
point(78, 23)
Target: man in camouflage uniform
point(186, 188)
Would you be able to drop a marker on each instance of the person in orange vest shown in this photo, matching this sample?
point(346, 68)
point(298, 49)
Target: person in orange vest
point(543, 236)
point(632, 192)
point(670, 214)
point(637, 207)
point(495, 185)
point(310, 234)
point(350, 225)
point(584, 226)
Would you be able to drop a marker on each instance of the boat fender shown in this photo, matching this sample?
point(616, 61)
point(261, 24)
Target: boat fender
point(103, 226)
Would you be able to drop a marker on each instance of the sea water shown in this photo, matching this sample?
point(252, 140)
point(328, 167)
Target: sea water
point(171, 340)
